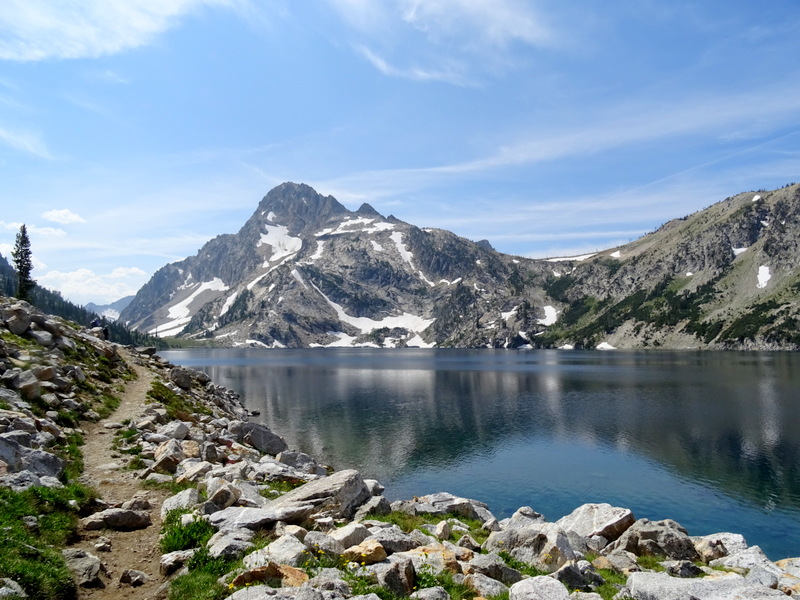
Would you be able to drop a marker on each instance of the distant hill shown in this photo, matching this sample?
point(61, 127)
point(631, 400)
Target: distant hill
point(304, 271)
point(51, 302)
point(109, 311)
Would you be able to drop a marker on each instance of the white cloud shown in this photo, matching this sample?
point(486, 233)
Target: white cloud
point(84, 285)
point(40, 29)
point(64, 216)
point(493, 22)
point(27, 142)
point(454, 73)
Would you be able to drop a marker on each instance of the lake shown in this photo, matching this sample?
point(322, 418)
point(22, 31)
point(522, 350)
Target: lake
point(710, 439)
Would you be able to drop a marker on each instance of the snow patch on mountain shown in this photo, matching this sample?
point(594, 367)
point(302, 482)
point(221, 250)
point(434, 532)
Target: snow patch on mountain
point(738, 251)
point(763, 277)
point(181, 313)
point(550, 316)
point(283, 245)
point(228, 303)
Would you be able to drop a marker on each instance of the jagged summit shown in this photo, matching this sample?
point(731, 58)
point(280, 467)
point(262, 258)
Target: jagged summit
point(306, 271)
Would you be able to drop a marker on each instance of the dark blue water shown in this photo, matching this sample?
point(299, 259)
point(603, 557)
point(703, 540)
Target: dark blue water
point(711, 440)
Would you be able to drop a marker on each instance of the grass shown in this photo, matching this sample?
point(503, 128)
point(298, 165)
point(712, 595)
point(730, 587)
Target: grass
point(276, 487)
point(522, 567)
point(175, 536)
point(648, 561)
point(72, 455)
point(408, 523)
point(27, 555)
point(176, 405)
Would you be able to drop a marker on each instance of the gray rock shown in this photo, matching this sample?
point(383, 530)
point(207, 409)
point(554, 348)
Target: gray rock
point(230, 544)
point(431, 593)
point(683, 568)
point(322, 544)
point(538, 588)
point(11, 452)
point(185, 499)
point(331, 580)
point(580, 575)
point(747, 559)
point(484, 585)
point(493, 566)
point(225, 495)
point(117, 518)
point(19, 482)
point(761, 576)
point(262, 439)
point(396, 575)
point(133, 578)
point(177, 430)
point(27, 384)
point(84, 566)
point(351, 534)
point(658, 538)
point(18, 323)
point(337, 496)
point(181, 377)
point(544, 545)
point(660, 586)
point(286, 550)
point(173, 561)
point(603, 520)
point(377, 505)
point(522, 517)
point(301, 461)
point(43, 338)
point(42, 463)
point(11, 589)
point(393, 539)
point(168, 456)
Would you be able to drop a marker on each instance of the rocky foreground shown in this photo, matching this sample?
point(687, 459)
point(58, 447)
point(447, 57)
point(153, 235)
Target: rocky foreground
point(283, 526)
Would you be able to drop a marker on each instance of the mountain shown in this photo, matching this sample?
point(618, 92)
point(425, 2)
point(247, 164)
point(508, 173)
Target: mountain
point(305, 271)
point(110, 311)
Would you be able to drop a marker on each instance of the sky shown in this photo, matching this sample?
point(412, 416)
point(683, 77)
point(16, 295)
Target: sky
point(133, 131)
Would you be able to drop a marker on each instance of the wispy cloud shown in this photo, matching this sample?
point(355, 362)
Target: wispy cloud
point(64, 216)
point(24, 141)
point(453, 75)
point(38, 29)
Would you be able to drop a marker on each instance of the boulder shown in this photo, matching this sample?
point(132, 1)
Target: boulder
point(656, 538)
point(493, 566)
point(230, 544)
point(27, 384)
point(42, 463)
point(604, 520)
point(286, 550)
point(133, 578)
point(543, 545)
point(522, 517)
point(168, 456)
point(185, 499)
point(393, 539)
point(397, 575)
point(262, 439)
point(337, 496)
point(747, 559)
point(484, 585)
point(351, 534)
point(117, 518)
point(538, 588)
point(85, 567)
point(176, 430)
point(181, 377)
point(172, 561)
point(431, 593)
point(367, 552)
point(281, 575)
point(660, 586)
point(322, 544)
point(302, 462)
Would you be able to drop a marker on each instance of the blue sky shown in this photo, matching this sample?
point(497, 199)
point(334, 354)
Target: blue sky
point(133, 131)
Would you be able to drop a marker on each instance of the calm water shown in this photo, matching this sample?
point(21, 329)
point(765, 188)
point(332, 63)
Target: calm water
point(711, 440)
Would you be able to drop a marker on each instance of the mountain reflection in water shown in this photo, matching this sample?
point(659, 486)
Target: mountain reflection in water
point(711, 439)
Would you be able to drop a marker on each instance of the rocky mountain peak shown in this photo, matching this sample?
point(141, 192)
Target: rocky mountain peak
point(298, 207)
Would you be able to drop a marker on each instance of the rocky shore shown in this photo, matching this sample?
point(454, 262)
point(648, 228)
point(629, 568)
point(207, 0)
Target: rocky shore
point(247, 518)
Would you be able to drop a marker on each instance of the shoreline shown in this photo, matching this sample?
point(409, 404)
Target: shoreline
point(283, 517)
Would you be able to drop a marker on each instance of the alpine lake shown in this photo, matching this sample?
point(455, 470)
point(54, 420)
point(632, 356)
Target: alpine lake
point(709, 439)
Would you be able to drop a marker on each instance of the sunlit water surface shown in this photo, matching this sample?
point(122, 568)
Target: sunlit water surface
point(711, 440)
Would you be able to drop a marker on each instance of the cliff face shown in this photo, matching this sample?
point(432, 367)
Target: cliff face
point(305, 271)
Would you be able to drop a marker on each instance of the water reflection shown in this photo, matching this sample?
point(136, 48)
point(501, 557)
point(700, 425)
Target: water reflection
point(710, 436)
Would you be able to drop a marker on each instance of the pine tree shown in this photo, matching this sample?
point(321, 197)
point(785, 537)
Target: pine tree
point(23, 264)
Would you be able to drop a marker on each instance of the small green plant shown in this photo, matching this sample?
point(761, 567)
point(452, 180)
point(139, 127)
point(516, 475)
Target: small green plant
point(176, 536)
point(275, 487)
point(522, 567)
point(651, 562)
point(178, 407)
point(408, 523)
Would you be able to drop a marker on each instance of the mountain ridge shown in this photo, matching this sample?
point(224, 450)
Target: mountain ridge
point(304, 271)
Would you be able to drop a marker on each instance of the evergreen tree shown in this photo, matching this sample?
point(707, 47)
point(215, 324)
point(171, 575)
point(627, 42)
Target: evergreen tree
point(23, 264)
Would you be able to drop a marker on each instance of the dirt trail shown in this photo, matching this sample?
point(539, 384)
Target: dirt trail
point(104, 469)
